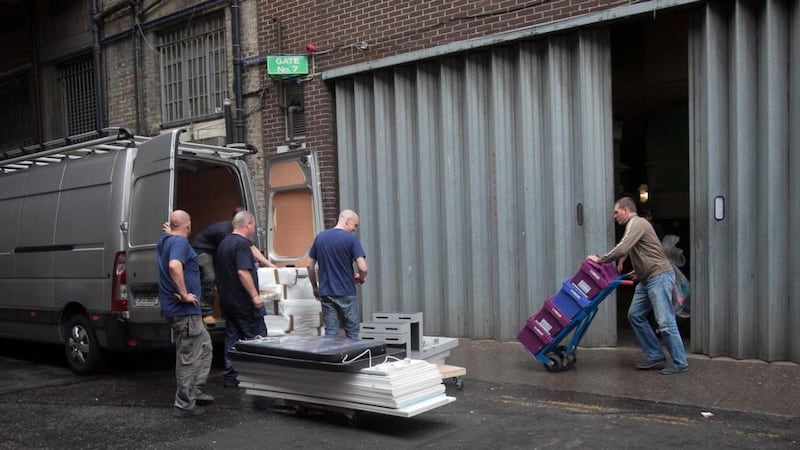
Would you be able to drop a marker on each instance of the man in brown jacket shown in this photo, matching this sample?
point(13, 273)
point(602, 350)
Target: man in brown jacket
point(653, 292)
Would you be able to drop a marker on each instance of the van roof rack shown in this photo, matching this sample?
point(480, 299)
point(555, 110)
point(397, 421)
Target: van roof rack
point(102, 141)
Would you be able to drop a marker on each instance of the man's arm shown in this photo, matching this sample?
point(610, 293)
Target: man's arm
point(262, 260)
point(312, 276)
point(633, 233)
point(361, 263)
point(250, 286)
point(176, 273)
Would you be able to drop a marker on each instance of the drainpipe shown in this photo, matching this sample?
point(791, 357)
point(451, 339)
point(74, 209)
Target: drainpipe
point(136, 52)
point(237, 71)
point(98, 72)
point(38, 136)
point(226, 108)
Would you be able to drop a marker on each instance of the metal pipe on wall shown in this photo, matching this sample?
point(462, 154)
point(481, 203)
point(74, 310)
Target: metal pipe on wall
point(34, 89)
point(237, 70)
point(136, 11)
point(98, 71)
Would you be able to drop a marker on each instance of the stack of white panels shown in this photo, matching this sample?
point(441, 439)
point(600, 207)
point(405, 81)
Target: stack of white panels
point(305, 315)
point(291, 306)
point(402, 388)
point(435, 349)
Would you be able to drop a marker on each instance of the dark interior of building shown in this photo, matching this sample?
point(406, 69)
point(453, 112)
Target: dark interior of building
point(651, 131)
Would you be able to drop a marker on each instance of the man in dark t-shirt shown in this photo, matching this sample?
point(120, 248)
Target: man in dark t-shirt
point(237, 280)
point(205, 244)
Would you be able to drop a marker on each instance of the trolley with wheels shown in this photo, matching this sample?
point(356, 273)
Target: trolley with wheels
point(545, 334)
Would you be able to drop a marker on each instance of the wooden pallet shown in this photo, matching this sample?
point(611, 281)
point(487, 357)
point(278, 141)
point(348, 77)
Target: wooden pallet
point(454, 373)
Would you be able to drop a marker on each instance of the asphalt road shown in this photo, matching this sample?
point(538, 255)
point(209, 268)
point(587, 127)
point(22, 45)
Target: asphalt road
point(43, 405)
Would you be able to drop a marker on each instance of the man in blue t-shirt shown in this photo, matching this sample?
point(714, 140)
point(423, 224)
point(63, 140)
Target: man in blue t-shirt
point(335, 250)
point(178, 288)
point(237, 280)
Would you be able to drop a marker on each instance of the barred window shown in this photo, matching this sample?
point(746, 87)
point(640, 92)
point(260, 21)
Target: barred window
point(76, 82)
point(193, 70)
point(295, 117)
point(16, 113)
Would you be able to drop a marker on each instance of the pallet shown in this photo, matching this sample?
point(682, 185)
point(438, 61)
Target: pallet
point(454, 373)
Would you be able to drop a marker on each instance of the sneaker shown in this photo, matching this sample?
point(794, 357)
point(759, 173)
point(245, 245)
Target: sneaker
point(672, 370)
point(204, 399)
point(650, 365)
point(181, 413)
point(231, 383)
point(209, 320)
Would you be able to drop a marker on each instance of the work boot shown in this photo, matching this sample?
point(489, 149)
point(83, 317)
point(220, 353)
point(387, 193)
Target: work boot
point(673, 369)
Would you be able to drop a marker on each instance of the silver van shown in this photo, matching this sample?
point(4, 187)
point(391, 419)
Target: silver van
point(79, 221)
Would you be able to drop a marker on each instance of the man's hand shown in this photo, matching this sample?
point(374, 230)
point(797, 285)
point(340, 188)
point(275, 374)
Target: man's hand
point(165, 227)
point(593, 258)
point(187, 298)
point(258, 302)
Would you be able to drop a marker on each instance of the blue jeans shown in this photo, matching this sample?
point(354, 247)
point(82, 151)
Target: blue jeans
point(340, 310)
point(655, 294)
point(236, 328)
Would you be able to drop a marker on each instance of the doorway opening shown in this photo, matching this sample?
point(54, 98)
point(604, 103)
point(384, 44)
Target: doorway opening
point(651, 133)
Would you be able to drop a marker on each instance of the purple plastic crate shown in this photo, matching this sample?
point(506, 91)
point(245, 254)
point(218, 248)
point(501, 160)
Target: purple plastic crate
point(545, 325)
point(542, 333)
point(593, 277)
point(530, 340)
point(562, 318)
point(570, 300)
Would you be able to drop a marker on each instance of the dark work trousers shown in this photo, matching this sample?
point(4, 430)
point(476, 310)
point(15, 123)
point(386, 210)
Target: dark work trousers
point(208, 280)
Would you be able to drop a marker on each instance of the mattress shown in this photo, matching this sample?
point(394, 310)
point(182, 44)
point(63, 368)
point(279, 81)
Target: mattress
point(313, 352)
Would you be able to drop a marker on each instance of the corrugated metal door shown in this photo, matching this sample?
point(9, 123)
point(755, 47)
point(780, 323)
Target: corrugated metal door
point(482, 180)
point(745, 162)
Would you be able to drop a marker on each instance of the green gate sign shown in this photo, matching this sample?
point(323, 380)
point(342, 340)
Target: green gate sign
point(287, 65)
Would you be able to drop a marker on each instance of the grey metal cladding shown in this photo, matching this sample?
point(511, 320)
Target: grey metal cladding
point(466, 172)
point(744, 83)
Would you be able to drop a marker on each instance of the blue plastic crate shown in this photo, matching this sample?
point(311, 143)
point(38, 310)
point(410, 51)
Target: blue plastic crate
point(570, 300)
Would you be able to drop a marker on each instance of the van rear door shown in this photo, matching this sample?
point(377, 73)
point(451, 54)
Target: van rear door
point(152, 199)
point(294, 207)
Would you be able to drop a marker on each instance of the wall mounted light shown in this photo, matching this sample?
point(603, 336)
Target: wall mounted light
point(644, 196)
point(719, 207)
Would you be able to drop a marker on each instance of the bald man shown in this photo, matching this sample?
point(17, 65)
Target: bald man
point(178, 291)
point(335, 251)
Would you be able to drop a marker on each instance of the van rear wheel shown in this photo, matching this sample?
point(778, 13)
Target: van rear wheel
point(80, 343)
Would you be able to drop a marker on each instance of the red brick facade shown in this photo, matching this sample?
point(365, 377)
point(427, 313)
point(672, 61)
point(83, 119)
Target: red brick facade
point(347, 32)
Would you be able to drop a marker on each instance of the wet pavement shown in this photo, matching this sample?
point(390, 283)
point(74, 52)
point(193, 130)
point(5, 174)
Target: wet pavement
point(710, 384)
point(508, 401)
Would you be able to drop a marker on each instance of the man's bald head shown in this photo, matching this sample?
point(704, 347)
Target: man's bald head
point(180, 222)
point(348, 220)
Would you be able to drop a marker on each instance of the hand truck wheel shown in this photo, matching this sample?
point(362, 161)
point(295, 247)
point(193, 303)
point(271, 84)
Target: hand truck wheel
point(553, 363)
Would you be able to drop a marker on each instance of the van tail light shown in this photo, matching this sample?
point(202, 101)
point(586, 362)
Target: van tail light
point(119, 286)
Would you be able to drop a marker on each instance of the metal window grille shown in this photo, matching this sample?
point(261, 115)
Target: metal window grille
point(16, 113)
point(294, 114)
point(76, 81)
point(193, 70)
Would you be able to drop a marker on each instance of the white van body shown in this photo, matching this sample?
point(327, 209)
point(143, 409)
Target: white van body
point(78, 229)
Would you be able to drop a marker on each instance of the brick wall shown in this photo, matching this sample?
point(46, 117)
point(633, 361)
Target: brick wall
point(338, 28)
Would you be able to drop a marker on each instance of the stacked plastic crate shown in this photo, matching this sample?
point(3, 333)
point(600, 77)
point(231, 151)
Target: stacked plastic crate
point(559, 310)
